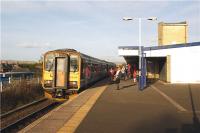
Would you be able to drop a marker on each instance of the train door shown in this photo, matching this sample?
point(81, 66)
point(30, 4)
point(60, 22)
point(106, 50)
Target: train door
point(61, 72)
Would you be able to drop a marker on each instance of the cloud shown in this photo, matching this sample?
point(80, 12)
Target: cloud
point(38, 6)
point(15, 6)
point(34, 45)
point(82, 6)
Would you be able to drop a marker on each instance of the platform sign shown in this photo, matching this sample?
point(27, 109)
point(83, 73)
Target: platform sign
point(142, 76)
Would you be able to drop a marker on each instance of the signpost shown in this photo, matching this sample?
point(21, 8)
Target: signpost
point(142, 73)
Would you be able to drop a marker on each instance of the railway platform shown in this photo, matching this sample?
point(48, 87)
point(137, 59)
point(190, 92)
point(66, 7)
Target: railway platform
point(160, 108)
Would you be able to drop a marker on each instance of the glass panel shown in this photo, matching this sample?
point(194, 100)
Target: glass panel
point(60, 72)
point(49, 64)
point(61, 64)
point(73, 63)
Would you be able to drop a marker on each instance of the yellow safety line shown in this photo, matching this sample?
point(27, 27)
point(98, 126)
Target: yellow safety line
point(77, 118)
point(178, 106)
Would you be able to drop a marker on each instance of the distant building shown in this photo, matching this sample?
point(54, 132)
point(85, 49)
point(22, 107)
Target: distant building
point(17, 62)
point(5, 67)
point(14, 66)
point(172, 33)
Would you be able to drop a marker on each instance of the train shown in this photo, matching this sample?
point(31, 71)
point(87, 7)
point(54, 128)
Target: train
point(67, 71)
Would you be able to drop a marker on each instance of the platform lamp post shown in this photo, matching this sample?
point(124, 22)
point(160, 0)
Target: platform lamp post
point(140, 40)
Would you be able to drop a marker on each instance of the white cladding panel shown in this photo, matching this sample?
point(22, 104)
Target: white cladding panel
point(172, 51)
point(185, 65)
point(127, 52)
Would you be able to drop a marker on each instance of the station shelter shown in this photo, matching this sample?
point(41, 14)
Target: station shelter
point(170, 63)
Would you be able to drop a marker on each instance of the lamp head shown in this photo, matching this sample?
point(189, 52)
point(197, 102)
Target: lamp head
point(152, 18)
point(127, 18)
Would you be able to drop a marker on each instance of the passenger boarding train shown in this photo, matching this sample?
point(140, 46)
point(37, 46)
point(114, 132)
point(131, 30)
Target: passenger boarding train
point(67, 70)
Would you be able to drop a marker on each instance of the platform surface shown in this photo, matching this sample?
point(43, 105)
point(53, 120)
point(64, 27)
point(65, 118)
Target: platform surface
point(160, 108)
point(56, 119)
point(129, 110)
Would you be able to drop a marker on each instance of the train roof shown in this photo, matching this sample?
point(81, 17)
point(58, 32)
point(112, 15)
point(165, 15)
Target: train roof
point(82, 55)
point(94, 59)
point(66, 50)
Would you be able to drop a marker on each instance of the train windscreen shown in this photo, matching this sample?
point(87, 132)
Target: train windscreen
point(73, 63)
point(49, 63)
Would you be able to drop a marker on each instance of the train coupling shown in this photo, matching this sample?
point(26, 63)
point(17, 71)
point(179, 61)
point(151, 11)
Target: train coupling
point(59, 93)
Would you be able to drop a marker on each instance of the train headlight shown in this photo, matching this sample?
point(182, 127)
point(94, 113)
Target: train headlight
point(73, 84)
point(48, 83)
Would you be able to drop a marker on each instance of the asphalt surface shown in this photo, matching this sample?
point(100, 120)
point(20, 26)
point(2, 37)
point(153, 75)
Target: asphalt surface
point(129, 110)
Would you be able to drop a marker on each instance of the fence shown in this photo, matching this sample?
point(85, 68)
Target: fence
point(6, 83)
point(18, 92)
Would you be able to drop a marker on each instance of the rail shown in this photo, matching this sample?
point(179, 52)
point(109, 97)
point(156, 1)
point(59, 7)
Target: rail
point(7, 119)
point(22, 107)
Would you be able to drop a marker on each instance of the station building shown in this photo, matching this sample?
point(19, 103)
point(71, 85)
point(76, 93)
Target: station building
point(173, 60)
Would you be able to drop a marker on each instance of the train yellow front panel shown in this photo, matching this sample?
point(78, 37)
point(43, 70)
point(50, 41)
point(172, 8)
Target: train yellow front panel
point(74, 77)
point(48, 75)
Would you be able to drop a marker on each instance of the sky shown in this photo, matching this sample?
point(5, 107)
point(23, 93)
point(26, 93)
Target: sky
point(31, 28)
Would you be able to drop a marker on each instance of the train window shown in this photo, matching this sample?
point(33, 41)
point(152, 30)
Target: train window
point(82, 69)
point(92, 68)
point(49, 64)
point(73, 63)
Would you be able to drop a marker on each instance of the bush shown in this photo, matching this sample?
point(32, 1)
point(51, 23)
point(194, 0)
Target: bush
point(19, 93)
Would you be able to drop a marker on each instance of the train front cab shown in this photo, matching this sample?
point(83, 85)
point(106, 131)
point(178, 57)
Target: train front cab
point(63, 77)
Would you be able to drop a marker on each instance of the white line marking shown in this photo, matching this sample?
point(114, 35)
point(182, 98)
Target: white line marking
point(178, 106)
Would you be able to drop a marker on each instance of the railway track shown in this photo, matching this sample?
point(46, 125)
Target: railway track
point(15, 120)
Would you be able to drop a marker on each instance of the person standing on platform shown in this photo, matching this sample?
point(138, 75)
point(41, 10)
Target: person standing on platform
point(117, 77)
point(126, 71)
point(123, 73)
point(129, 71)
point(134, 74)
point(112, 73)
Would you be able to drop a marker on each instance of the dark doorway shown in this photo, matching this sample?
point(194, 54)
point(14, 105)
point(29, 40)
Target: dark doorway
point(156, 68)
